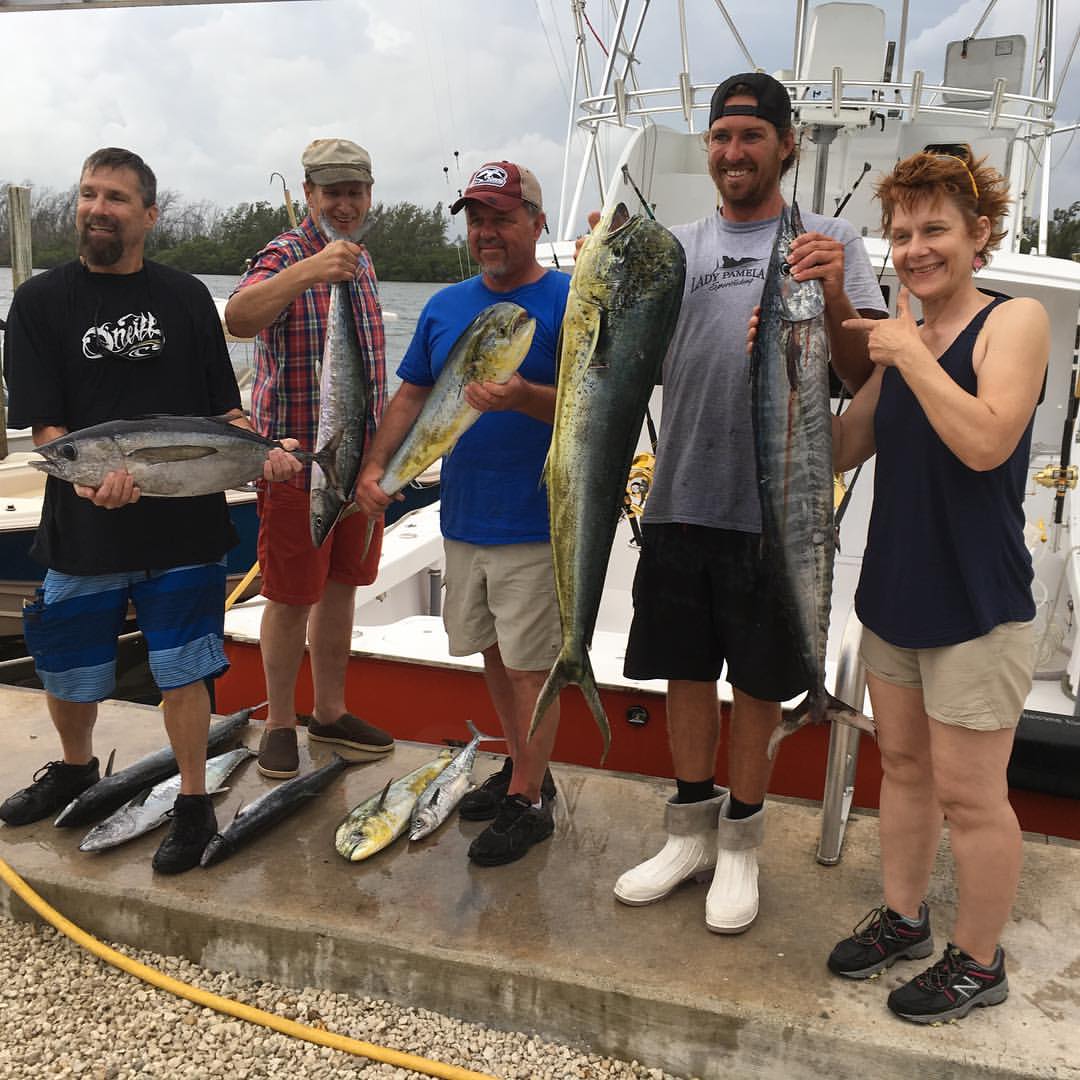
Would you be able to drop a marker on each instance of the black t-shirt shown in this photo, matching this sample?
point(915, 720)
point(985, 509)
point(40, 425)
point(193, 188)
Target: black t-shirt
point(85, 348)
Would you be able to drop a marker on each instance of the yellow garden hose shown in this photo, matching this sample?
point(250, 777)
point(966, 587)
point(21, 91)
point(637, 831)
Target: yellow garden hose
point(225, 1005)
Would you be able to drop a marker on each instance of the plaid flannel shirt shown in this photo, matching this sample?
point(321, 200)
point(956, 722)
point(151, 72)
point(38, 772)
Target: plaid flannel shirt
point(288, 352)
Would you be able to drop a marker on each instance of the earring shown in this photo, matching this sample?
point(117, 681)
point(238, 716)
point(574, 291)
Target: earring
point(977, 263)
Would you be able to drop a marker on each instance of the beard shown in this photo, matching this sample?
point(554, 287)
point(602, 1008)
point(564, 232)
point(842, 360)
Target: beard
point(100, 250)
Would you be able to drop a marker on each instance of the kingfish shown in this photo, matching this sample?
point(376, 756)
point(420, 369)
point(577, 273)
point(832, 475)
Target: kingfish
point(381, 819)
point(624, 300)
point(149, 808)
point(168, 456)
point(269, 809)
point(345, 400)
point(438, 799)
point(789, 374)
point(114, 789)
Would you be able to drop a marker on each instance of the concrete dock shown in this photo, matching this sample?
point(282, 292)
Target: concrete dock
point(542, 946)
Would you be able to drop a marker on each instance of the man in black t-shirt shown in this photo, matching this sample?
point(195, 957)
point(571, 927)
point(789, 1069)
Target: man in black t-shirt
point(109, 336)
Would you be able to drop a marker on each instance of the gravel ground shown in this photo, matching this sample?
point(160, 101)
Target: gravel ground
point(107, 1025)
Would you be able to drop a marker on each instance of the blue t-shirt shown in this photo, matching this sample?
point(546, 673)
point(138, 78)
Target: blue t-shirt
point(492, 490)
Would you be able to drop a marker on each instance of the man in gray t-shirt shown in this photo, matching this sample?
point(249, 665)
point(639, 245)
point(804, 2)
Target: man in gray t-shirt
point(701, 590)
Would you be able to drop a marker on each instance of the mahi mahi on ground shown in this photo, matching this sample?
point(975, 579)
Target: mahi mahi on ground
point(114, 789)
point(150, 807)
point(168, 456)
point(381, 819)
point(624, 300)
point(345, 400)
point(793, 446)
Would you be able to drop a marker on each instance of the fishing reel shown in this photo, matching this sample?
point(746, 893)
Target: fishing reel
point(637, 492)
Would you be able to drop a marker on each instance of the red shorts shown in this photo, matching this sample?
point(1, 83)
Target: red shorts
point(294, 571)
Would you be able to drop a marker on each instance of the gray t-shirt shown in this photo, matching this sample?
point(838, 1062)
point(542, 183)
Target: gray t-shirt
point(706, 473)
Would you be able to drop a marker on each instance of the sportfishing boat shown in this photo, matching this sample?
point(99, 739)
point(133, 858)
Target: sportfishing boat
point(858, 108)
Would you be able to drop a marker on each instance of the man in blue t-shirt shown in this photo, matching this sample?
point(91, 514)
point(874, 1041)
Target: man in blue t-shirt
point(500, 584)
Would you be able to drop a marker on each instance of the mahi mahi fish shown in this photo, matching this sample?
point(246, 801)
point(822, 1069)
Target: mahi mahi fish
point(168, 456)
point(380, 820)
point(345, 400)
point(490, 349)
point(793, 446)
point(149, 808)
point(269, 809)
point(112, 791)
point(438, 799)
point(625, 295)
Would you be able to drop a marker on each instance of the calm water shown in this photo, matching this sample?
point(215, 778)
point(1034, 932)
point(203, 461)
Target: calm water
point(405, 299)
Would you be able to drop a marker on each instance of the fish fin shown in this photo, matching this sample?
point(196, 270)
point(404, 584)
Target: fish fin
point(480, 735)
point(563, 673)
point(162, 455)
point(143, 795)
point(385, 792)
point(219, 791)
point(367, 537)
point(109, 765)
point(239, 811)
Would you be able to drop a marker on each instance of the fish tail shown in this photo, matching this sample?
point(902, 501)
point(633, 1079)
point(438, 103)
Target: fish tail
point(367, 537)
point(476, 734)
point(818, 707)
point(564, 671)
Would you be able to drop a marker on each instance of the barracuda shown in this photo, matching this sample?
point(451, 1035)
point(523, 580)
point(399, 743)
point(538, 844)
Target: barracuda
point(793, 446)
point(624, 301)
point(380, 820)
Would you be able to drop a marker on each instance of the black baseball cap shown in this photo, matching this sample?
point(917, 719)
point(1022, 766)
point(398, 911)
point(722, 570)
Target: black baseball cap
point(773, 101)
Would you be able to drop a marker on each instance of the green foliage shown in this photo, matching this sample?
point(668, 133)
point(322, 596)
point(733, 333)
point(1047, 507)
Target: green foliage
point(406, 242)
point(1063, 229)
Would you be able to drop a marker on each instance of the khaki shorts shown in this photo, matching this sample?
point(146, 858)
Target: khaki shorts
point(502, 593)
point(980, 684)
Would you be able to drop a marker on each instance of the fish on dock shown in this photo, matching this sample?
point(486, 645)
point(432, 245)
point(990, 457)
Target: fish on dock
point(438, 800)
point(115, 789)
point(345, 400)
point(171, 457)
point(149, 808)
point(625, 296)
point(490, 349)
point(269, 809)
point(792, 418)
point(381, 819)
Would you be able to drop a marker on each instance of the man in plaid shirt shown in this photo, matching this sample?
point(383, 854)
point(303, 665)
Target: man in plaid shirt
point(283, 299)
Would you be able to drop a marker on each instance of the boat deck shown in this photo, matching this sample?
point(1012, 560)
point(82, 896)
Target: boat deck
point(542, 946)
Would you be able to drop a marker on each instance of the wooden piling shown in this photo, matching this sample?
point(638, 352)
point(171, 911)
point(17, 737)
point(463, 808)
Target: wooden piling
point(21, 267)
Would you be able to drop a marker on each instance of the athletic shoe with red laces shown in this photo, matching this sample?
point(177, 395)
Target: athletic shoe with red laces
point(882, 938)
point(950, 989)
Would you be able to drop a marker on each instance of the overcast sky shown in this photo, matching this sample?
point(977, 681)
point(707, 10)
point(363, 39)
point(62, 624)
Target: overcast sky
point(216, 98)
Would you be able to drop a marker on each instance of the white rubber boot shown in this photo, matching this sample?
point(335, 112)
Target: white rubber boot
point(732, 903)
point(690, 851)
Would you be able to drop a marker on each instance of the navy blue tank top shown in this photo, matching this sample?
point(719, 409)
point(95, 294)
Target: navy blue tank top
point(945, 556)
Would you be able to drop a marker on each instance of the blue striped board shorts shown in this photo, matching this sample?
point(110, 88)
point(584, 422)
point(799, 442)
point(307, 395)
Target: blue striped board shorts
point(71, 627)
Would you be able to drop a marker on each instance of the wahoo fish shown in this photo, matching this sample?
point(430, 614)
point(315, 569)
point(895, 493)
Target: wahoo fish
point(148, 809)
point(345, 400)
point(793, 445)
point(114, 789)
point(380, 820)
point(624, 300)
point(438, 799)
point(168, 456)
point(269, 809)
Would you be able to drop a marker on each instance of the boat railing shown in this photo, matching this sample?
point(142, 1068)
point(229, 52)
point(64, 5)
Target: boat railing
point(843, 753)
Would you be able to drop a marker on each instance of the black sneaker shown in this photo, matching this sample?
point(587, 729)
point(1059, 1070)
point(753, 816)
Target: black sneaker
point(54, 786)
point(193, 824)
point(881, 939)
point(951, 988)
point(517, 826)
point(482, 803)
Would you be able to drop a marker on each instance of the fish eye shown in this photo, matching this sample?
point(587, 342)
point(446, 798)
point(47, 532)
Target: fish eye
point(785, 268)
point(69, 451)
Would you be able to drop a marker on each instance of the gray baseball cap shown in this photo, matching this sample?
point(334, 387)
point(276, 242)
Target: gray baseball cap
point(336, 161)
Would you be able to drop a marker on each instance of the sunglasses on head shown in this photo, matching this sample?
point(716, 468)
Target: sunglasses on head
point(962, 153)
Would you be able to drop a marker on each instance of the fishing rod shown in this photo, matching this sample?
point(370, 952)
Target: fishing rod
point(288, 198)
point(851, 190)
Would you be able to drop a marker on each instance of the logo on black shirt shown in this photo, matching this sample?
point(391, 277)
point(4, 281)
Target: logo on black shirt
point(134, 336)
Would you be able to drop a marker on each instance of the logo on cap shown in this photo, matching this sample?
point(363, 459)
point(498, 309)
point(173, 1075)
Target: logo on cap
point(490, 176)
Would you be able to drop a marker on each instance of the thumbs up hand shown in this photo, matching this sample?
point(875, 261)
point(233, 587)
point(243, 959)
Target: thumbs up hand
point(890, 340)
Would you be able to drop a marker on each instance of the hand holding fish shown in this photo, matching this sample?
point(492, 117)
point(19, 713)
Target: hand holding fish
point(890, 341)
point(368, 495)
point(751, 330)
point(117, 489)
point(280, 463)
point(498, 397)
point(594, 217)
point(337, 261)
point(814, 255)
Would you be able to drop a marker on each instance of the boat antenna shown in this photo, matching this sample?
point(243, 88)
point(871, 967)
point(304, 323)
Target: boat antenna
point(288, 198)
point(798, 162)
point(628, 179)
point(851, 191)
